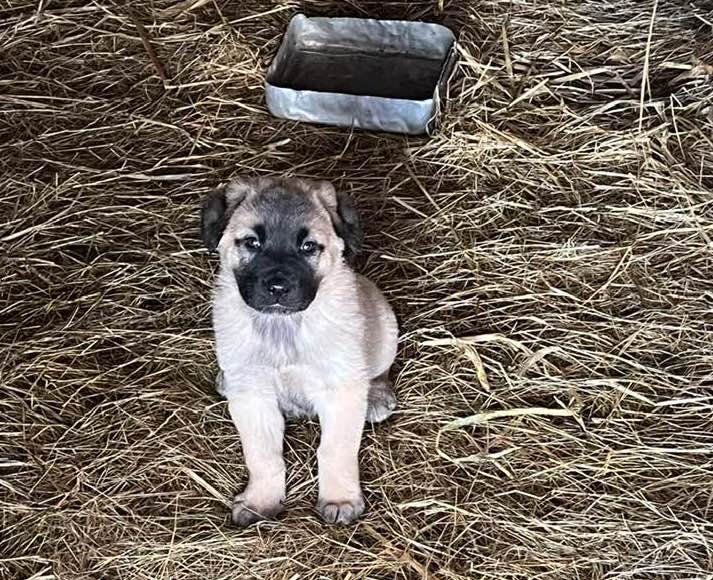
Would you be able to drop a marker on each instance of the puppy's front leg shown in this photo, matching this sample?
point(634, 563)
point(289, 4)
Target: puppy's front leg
point(341, 416)
point(261, 427)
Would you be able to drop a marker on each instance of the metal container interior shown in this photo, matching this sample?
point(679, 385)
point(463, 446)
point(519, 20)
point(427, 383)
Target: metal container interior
point(384, 75)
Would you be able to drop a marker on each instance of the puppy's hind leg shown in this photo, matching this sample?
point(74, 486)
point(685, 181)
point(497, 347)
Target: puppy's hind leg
point(381, 399)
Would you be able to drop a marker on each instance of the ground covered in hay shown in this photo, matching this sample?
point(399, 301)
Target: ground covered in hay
point(548, 252)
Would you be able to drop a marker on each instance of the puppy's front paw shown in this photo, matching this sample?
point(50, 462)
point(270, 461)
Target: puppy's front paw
point(247, 512)
point(341, 512)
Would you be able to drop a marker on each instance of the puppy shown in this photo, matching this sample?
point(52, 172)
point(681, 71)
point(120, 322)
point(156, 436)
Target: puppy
point(298, 333)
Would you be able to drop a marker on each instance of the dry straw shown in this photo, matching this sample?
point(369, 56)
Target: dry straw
point(548, 252)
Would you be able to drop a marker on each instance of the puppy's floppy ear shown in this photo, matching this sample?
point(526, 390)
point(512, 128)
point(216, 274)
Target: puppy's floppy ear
point(217, 208)
point(349, 226)
point(345, 218)
point(213, 218)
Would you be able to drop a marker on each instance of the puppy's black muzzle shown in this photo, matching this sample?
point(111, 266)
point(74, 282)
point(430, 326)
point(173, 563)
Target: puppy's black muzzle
point(277, 283)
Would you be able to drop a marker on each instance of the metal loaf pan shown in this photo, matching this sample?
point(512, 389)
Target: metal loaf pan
point(383, 75)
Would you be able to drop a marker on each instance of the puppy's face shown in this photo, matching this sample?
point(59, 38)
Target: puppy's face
point(280, 239)
point(278, 245)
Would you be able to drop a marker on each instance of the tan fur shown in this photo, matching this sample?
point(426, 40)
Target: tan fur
point(322, 361)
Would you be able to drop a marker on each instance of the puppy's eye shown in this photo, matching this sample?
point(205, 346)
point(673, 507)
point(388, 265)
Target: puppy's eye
point(251, 243)
point(308, 247)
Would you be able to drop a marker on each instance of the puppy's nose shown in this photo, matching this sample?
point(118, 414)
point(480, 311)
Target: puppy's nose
point(278, 286)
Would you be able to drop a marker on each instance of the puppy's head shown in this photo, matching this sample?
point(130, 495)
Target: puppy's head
point(280, 238)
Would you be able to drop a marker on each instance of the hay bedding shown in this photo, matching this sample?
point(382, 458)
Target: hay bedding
point(548, 251)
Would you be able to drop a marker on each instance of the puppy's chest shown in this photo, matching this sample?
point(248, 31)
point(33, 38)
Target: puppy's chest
point(287, 346)
point(303, 344)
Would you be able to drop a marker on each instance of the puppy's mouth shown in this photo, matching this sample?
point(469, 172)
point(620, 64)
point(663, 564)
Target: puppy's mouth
point(277, 309)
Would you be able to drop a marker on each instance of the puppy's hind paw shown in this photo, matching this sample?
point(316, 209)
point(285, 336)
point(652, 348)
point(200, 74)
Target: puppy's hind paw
point(381, 404)
point(220, 383)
